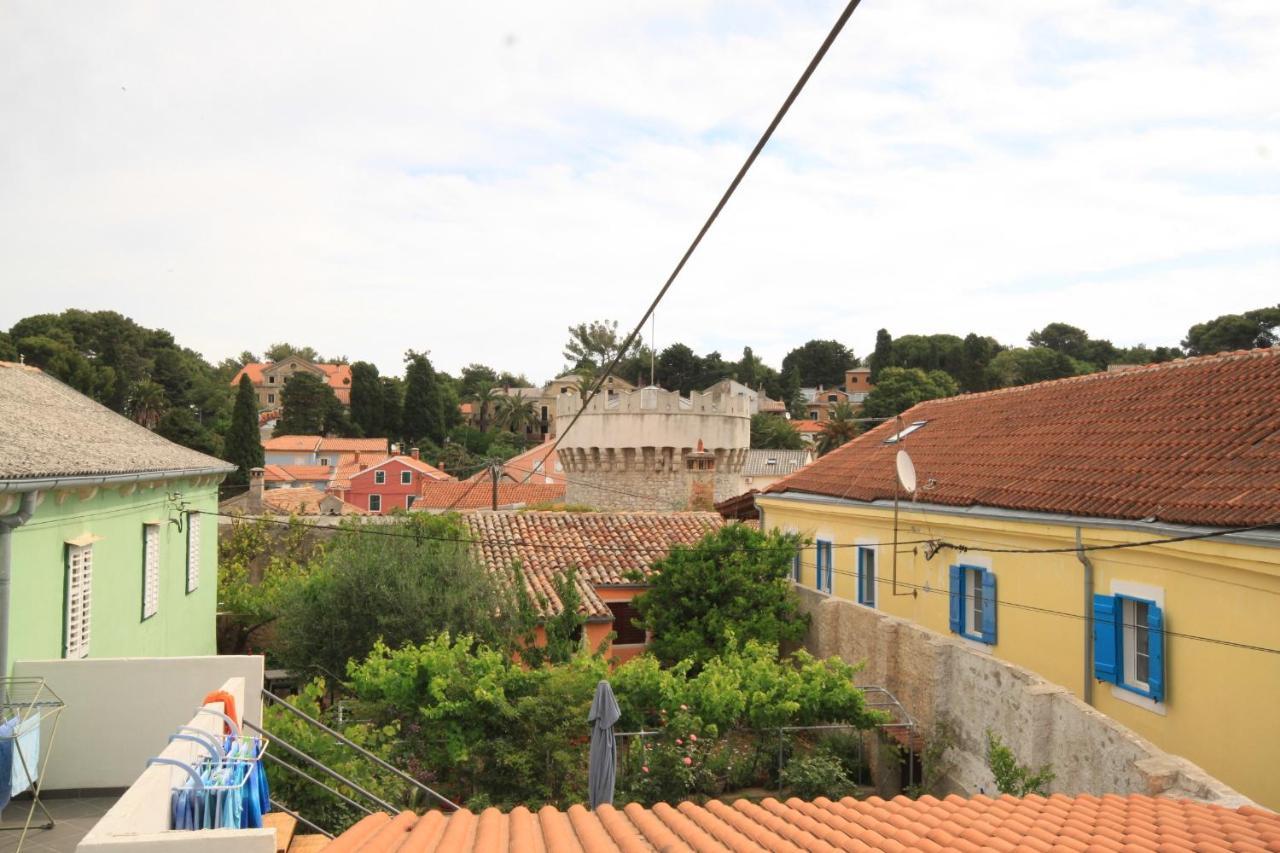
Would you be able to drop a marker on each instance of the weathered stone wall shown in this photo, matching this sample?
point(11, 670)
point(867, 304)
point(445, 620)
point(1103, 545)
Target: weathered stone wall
point(938, 678)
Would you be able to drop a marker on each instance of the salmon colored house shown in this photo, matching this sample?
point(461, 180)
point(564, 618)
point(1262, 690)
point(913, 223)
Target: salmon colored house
point(604, 547)
point(394, 483)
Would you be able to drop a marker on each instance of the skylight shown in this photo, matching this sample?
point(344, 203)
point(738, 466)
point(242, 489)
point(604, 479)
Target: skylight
point(906, 431)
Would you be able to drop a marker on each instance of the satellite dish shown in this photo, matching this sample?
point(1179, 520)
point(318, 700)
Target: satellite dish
point(906, 472)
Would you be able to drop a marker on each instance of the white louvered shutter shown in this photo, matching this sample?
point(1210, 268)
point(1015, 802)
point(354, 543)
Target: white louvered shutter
point(79, 600)
point(151, 570)
point(193, 551)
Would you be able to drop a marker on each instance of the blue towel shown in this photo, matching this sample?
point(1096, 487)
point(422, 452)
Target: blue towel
point(6, 760)
point(26, 749)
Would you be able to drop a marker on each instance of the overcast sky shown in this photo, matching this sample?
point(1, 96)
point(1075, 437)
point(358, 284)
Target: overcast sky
point(471, 178)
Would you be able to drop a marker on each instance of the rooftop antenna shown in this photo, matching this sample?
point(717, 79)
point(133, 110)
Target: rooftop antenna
point(904, 481)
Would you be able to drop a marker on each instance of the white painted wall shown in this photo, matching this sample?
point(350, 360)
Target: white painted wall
point(139, 821)
point(120, 711)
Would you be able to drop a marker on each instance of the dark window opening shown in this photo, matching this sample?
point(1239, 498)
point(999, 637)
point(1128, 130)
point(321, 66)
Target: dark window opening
point(624, 614)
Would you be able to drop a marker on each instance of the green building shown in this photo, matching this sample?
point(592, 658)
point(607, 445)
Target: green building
point(106, 547)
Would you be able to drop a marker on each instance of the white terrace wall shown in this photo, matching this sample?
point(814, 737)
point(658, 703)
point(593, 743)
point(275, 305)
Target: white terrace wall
point(139, 821)
point(938, 678)
point(121, 711)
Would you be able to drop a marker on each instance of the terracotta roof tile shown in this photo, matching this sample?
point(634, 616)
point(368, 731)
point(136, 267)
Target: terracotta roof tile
point(803, 426)
point(1194, 441)
point(605, 547)
point(461, 496)
point(293, 473)
point(532, 465)
point(979, 823)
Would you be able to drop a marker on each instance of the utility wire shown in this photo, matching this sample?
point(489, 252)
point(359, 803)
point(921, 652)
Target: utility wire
point(715, 212)
point(1050, 611)
point(1189, 537)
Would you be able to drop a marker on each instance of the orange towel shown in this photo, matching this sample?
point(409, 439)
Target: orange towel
point(228, 706)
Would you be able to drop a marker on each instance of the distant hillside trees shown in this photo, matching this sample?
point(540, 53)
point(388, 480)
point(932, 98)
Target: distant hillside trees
point(423, 415)
point(769, 432)
point(900, 388)
point(1234, 331)
point(820, 362)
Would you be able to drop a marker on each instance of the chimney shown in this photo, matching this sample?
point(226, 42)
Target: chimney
point(414, 452)
point(257, 480)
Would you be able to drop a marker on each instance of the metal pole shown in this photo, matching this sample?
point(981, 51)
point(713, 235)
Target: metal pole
point(333, 773)
point(314, 781)
point(280, 807)
point(360, 749)
point(493, 476)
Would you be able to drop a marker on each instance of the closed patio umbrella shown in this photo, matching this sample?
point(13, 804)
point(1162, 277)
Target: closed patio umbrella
point(602, 766)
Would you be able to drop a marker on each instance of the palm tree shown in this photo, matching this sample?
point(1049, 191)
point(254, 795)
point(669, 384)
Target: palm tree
point(485, 399)
point(517, 413)
point(841, 426)
point(147, 403)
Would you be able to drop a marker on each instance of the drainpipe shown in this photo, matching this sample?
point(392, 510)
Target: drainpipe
point(7, 524)
point(1087, 693)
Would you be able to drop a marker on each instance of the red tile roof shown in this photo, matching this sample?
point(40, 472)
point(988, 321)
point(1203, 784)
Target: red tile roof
point(292, 473)
point(443, 494)
point(1194, 441)
point(532, 464)
point(1030, 823)
point(302, 500)
point(807, 426)
point(321, 444)
point(604, 546)
point(292, 442)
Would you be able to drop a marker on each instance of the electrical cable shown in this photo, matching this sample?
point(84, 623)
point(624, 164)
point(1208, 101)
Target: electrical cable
point(715, 212)
point(1050, 611)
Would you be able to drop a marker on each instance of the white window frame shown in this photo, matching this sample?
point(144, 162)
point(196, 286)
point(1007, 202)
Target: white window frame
point(379, 478)
point(78, 608)
point(1125, 693)
point(375, 499)
point(406, 478)
point(973, 604)
point(866, 592)
point(271, 398)
point(193, 551)
point(1132, 626)
point(150, 570)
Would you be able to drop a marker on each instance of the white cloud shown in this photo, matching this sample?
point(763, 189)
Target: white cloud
point(471, 180)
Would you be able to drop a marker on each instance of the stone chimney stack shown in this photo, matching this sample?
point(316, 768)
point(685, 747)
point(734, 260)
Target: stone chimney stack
point(415, 453)
point(257, 481)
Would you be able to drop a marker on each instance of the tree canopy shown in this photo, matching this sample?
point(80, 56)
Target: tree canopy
point(770, 432)
point(243, 446)
point(820, 362)
point(900, 388)
point(731, 587)
point(1257, 328)
point(309, 407)
point(423, 414)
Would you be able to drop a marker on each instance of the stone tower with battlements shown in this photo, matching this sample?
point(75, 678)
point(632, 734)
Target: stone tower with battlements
point(653, 449)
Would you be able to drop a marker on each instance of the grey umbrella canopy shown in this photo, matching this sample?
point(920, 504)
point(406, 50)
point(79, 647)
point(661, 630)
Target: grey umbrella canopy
point(603, 764)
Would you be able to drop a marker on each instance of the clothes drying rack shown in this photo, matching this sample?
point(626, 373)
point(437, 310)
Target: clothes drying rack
point(31, 706)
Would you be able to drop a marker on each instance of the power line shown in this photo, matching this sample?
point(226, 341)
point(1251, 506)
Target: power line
point(715, 212)
point(1050, 611)
point(1116, 547)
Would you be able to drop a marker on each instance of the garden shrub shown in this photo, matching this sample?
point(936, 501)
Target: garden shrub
point(818, 774)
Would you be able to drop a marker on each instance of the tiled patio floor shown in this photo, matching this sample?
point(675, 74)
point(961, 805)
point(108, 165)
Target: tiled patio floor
point(73, 818)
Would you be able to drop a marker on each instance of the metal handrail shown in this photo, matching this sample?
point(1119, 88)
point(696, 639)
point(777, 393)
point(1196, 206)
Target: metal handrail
point(366, 753)
point(335, 774)
point(280, 807)
point(313, 780)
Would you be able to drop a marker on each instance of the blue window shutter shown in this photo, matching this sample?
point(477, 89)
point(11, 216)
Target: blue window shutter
point(957, 600)
point(862, 565)
point(988, 593)
point(1106, 638)
point(1155, 641)
point(826, 546)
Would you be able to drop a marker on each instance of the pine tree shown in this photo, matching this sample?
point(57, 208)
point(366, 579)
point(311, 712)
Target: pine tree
point(243, 445)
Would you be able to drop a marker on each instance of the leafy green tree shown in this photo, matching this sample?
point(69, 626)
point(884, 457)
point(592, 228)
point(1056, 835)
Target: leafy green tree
point(929, 352)
point(820, 362)
point(977, 354)
point(900, 388)
point(281, 351)
point(883, 354)
point(1143, 354)
point(748, 368)
point(307, 403)
point(714, 368)
point(485, 399)
point(415, 579)
point(679, 368)
point(1251, 329)
point(840, 427)
point(423, 415)
point(367, 399)
point(1022, 366)
point(730, 587)
point(180, 426)
point(1013, 778)
point(793, 396)
point(243, 444)
point(259, 566)
point(476, 376)
point(1076, 343)
point(770, 432)
point(8, 351)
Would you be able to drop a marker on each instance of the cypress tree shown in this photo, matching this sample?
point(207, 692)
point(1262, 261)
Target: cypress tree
point(243, 446)
point(883, 355)
point(367, 399)
point(423, 415)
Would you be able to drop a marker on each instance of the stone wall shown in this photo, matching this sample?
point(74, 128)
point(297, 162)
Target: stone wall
point(942, 679)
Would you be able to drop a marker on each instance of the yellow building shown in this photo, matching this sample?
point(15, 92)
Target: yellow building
point(1088, 529)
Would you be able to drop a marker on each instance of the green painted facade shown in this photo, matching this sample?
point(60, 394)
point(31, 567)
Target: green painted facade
point(184, 623)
